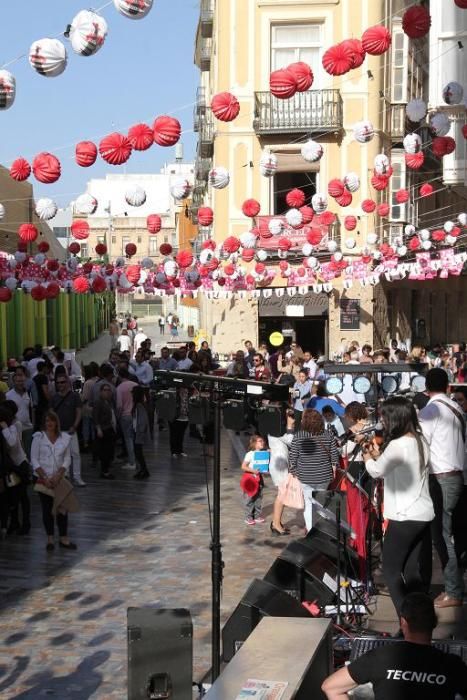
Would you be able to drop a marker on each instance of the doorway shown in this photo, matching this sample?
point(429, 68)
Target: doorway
point(309, 333)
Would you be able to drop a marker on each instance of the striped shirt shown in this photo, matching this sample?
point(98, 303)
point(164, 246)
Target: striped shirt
point(312, 457)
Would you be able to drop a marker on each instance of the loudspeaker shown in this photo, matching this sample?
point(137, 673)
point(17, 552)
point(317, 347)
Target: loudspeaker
point(160, 654)
point(234, 413)
point(271, 421)
point(166, 404)
point(261, 599)
point(330, 499)
point(322, 538)
point(300, 572)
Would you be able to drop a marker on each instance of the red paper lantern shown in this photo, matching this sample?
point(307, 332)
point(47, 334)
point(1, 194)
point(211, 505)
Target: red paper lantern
point(438, 236)
point(338, 59)
point(85, 153)
point(303, 75)
point(229, 269)
point(87, 268)
point(231, 244)
point(46, 168)
point(165, 249)
point(283, 84)
point(22, 246)
point(184, 258)
point(284, 244)
point(350, 223)
point(43, 247)
point(80, 229)
point(208, 244)
point(314, 236)
point(141, 137)
point(416, 22)
point(205, 216)
point(20, 170)
point(167, 131)
point(464, 131)
point(39, 293)
point(250, 280)
point(307, 214)
point(344, 200)
point(376, 40)
point(368, 206)
point(52, 290)
point(101, 249)
point(98, 284)
point(5, 295)
point(383, 209)
point(358, 52)
point(28, 232)
point(327, 218)
point(225, 106)
point(295, 198)
point(250, 207)
point(154, 223)
point(115, 148)
point(248, 254)
point(443, 146)
point(283, 265)
point(455, 232)
point(221, 281)
point(81, 285)
point(260, 268)
point(402, 196)
point(130, 249)
point(74, 248)
point(213, 264)
point(336, 188)
point(133, 273)
point(461, 3)
point(426, 189)
point(379, 182)
point(414, 243)
point(415, 160)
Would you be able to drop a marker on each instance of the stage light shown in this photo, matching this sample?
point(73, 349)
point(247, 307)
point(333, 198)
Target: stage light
point(418, 384)
point(361, 385)
point(334, 385)
point(390, 384)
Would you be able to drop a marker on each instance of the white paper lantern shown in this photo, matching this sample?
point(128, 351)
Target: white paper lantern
point(440, 123)
point(409, 230)
point(287, 272)
point(2, 211)
point(282, 254)
point(133, 9)
point(120, 262)
point(248, 239)
point(426, 245)
point(312, 151)
point(180, 188)
point(85, 204)
point(453, 93)
point(319, 202)
point(28, 285)
point(268, 164)
point(87, 33)
point(377, 255)
point(363, 131)
point(416, 110)
point(219, 177)
point(135, 196)
point(352, 182)
point(11, 283)
point(294, 217)
point(372, 238)
point(350, 243)
point(7, 89)
point(402, 250)
point(338, 256)
point(46, 209)
point(412, 143)
point(39, 259)
point(424, 234)
point(462, 219)
point(332, 246)
point(261, 255)
point(381, 163)
point(307, 249)
point(48, 57)
point(450, 240)
point(448, 226)
point(276, 226)
point(206, 256)
point(170, 268)
point(312, 262)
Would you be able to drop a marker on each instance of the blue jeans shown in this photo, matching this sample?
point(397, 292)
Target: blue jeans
point(445, 492)
point(126, 424)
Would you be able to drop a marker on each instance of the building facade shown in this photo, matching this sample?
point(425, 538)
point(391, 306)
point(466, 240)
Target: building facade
point(237, 46)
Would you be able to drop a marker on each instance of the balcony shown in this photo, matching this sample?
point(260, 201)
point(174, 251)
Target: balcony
point(201, 100)
point(306, 112)
point(207, 18)
point(205, 54)
point(206, 136)
point(398, 123)
point(202, 168)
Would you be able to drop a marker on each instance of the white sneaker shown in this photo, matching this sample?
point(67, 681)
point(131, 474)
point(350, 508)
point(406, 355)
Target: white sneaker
point(128, 467)
point(183, 454)
point(79, 482)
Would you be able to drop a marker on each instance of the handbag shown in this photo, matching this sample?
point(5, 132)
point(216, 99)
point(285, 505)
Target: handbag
point(291, 493)
point(40, 487)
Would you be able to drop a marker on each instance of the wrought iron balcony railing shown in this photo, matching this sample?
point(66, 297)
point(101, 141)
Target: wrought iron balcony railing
point(207, 18)
point(206, 135)
point(205, 54)
point(202, 168)
point(306, 112)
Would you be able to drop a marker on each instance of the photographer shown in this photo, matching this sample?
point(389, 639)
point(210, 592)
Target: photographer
point(403, 464)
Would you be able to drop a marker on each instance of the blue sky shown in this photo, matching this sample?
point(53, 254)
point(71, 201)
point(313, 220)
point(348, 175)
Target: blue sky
point(144, 69)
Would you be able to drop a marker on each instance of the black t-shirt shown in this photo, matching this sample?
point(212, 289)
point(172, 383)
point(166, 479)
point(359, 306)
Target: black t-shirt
point(65, 407)
point(407, 671)
point(40, 380)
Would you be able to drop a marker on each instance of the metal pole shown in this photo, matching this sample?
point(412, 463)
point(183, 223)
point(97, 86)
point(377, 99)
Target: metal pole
point(216, 547)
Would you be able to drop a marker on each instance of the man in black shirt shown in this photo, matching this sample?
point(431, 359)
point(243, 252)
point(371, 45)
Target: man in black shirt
point(410, 669)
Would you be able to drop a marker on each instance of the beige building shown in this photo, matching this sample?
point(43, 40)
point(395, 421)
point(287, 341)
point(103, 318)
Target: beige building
point(238, 44)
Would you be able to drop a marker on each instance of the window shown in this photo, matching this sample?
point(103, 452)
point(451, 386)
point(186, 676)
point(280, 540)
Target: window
point(114, 240)
point(173, 242)
point(408, 72)
point(296, 42)
point(398, 181)
point(283, 182)
point(399, 65)
point(125, 240)
point(84, 250)
point(153, 246)
point(139, 239)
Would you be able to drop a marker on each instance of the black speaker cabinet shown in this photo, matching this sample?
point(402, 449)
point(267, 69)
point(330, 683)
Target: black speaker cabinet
point(260, 600)
point(166, 404)
point(271, 421)
point(160, 654)
point(301, 572)
point(234, 413)
point(322, 538)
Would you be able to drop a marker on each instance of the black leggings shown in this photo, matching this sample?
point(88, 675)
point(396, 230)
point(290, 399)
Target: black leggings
point(139, 454)
point(47, 503)
point(176, 434)
point(405, 542)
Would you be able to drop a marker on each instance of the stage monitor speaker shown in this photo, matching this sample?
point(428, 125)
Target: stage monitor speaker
point(160, 653)
point(324, 540)
point(271, 421)
point(234, 413)
point(166, 404)
point(330, 499)
point(301, 572)
point(262, 599)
